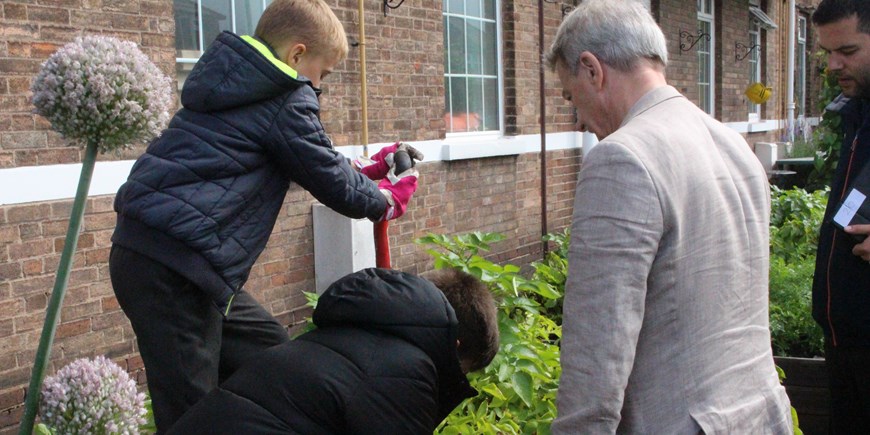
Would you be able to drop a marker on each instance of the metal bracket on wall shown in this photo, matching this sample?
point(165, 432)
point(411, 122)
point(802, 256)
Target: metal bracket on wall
point(389, 4)
point(742, 51)
point(689, 40)
point(566, 9)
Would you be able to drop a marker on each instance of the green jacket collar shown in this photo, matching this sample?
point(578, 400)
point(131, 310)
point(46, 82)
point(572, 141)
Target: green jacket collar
point(267, 52)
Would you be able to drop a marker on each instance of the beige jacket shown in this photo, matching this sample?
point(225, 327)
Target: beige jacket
point(666, 306)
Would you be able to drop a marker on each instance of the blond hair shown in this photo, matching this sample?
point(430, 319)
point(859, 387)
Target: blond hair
point(309, 22)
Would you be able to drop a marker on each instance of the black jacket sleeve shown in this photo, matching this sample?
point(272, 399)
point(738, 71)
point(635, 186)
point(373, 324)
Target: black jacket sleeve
point(306, 155)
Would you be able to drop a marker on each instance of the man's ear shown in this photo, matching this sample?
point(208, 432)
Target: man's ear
point(591, 68)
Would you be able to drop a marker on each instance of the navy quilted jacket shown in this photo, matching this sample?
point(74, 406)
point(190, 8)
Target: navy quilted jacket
point(204, 197)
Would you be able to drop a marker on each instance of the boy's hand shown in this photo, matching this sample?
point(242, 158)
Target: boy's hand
point(377, 166)
point(398, 189)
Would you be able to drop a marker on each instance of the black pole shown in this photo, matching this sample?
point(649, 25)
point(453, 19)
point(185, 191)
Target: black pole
point(543, 128)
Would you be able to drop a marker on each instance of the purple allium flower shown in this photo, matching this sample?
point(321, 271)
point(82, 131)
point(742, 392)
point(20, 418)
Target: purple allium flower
point(104, 90)
point(91, 397)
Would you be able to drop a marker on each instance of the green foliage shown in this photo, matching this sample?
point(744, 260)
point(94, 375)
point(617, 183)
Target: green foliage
point(793, 331)
point(828, 135)
point(795, 218)
point(518, 389)
point(149, 426)
point(553, 270)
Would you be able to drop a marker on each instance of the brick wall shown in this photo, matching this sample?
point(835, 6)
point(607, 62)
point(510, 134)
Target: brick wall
point(30, 32)
point(405, 101)
point(404, 56)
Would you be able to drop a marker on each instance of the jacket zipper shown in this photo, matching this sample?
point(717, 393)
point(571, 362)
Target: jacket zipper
point(834, 239)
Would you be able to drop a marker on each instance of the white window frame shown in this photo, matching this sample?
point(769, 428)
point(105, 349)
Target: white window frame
point(707, 18)
point(801, 64)
point(754, 63)
point(499, 71)
point(185, 63)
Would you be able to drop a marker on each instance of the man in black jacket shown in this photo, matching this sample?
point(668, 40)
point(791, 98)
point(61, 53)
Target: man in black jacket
point(841, 287)
point(389, 356)
point(200, 204)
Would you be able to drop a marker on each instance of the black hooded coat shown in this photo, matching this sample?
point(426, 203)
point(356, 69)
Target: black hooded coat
point(382, 360)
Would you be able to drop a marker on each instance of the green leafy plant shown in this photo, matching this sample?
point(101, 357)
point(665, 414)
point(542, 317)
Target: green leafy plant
point(795, 218)
point(518, 389)
point(793, 331)
point(827, 136)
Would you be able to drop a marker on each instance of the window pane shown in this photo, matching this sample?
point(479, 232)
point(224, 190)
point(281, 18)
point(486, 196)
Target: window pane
point(456, 29)
point(472, 95)
point(445, 33)
point(472, 8)
point(459, 104)
point(490, 50)
point(475, 103)
point(489, 9)
point(490, 101)
point(186, 29)
point(215, 18)
point(705, 67)
point(247, 14)
point(474, 49)
point(705, 97)
point(703, 71)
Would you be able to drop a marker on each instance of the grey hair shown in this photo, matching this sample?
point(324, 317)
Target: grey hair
point(618, 32)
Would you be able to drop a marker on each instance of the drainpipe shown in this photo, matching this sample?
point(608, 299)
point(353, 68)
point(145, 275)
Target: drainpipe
point(543, 127)
point(790, 104)
point(364, 115)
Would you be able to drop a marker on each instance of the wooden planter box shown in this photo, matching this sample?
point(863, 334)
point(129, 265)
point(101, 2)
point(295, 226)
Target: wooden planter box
point(806, 382)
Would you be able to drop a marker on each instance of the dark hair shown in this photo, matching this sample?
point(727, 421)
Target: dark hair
point(477, 315)
point(830, 11)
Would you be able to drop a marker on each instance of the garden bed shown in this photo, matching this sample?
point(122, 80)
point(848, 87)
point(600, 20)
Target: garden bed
point(806, 383)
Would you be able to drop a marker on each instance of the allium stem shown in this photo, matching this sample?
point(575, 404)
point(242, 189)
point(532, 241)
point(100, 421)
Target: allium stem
point(52, 312)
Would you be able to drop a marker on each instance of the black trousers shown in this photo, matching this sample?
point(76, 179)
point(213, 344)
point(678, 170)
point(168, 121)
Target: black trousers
point(187, 346)
point(849, 371)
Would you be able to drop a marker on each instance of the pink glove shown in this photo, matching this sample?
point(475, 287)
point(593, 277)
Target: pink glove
point(377, 166)
point(398, 189)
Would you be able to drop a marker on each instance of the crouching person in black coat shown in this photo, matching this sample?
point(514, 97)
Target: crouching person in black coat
point(389, 356)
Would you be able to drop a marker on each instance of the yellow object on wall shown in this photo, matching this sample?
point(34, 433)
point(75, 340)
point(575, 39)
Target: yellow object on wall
point(758, 93)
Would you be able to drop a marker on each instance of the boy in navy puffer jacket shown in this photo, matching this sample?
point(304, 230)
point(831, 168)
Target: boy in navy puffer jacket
point(200, 204)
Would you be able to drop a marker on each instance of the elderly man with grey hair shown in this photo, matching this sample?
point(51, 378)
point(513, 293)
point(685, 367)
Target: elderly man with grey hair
point(666, 313)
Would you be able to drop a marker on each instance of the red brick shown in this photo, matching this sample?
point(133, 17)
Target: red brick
point(44, 49)
point(29, 249)
point(30, 285)
point(110, 303)
point(36, 302)
point(48, 14)
point(12, 11)
point(11, 398)
point(10, 271)
point(76, 327)
point(28, 213)
point(11, 416)
point(11, 32)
